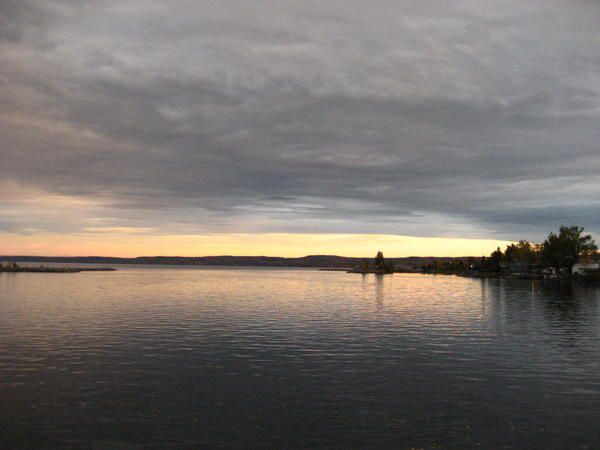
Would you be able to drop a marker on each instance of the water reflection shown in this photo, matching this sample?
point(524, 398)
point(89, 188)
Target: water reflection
point(291, 358)
point(379, 279)
point(564, 309)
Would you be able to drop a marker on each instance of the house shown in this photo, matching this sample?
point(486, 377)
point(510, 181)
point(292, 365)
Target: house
point(585, 268)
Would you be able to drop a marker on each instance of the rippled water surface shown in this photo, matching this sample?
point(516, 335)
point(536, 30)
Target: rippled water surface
point(266, 358)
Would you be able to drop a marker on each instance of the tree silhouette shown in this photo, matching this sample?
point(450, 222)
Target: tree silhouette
point(379, 260)
point(566, 247)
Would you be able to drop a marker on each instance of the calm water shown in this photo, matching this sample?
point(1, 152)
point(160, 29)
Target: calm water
point(267, 358)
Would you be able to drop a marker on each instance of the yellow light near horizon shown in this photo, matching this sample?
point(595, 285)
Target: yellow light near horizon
point(264, 244)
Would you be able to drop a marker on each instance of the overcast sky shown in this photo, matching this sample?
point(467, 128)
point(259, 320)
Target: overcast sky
point(423, 118)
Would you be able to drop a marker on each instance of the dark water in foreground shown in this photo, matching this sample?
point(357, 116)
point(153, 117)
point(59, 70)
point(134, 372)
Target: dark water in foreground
point(261, 358)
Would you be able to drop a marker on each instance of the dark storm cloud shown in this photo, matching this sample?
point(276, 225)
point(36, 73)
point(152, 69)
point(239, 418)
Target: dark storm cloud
point(437, 118)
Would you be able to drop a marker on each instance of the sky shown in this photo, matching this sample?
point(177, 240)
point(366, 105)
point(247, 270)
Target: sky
point(293, 127)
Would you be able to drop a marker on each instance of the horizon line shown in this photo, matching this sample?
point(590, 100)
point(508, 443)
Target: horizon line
point(232, 256)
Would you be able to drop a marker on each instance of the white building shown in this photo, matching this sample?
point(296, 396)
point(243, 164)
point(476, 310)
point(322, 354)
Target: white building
point(582, 268)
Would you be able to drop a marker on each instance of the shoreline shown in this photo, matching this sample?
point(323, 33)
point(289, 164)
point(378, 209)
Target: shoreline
point(42, 269)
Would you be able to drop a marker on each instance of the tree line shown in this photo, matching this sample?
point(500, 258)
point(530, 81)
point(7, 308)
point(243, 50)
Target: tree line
point(562, 249)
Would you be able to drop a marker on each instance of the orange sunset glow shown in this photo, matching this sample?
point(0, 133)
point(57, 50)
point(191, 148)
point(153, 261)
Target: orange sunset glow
point(274, 244)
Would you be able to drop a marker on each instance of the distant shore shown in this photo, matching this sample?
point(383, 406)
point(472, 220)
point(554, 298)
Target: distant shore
point(313, 261)
point(43, 269)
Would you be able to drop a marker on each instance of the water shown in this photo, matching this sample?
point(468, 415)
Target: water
point(278, 358)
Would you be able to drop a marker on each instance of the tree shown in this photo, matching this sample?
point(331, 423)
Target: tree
point(379, 260)
point(492, 263)
point(522, 252)
point(566, 247)
point(381, 265)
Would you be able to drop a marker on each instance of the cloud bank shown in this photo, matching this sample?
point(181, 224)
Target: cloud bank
point(466, 118)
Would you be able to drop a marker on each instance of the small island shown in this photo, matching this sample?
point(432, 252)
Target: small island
point(379, 266)
point(13, 267)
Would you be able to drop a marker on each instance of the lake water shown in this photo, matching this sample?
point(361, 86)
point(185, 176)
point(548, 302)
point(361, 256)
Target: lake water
point(277, 358)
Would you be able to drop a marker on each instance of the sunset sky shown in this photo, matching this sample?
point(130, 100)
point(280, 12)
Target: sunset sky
point(296, 127)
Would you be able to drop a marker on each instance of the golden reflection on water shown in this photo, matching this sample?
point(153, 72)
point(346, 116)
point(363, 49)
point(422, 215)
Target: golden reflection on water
point(292, 295)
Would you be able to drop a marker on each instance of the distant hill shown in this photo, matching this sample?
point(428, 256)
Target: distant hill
point(253, 261)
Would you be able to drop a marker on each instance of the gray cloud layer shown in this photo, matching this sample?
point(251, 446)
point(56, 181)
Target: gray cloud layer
point(464, 118)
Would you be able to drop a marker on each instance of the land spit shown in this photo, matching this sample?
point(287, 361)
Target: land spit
point(42, 269)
